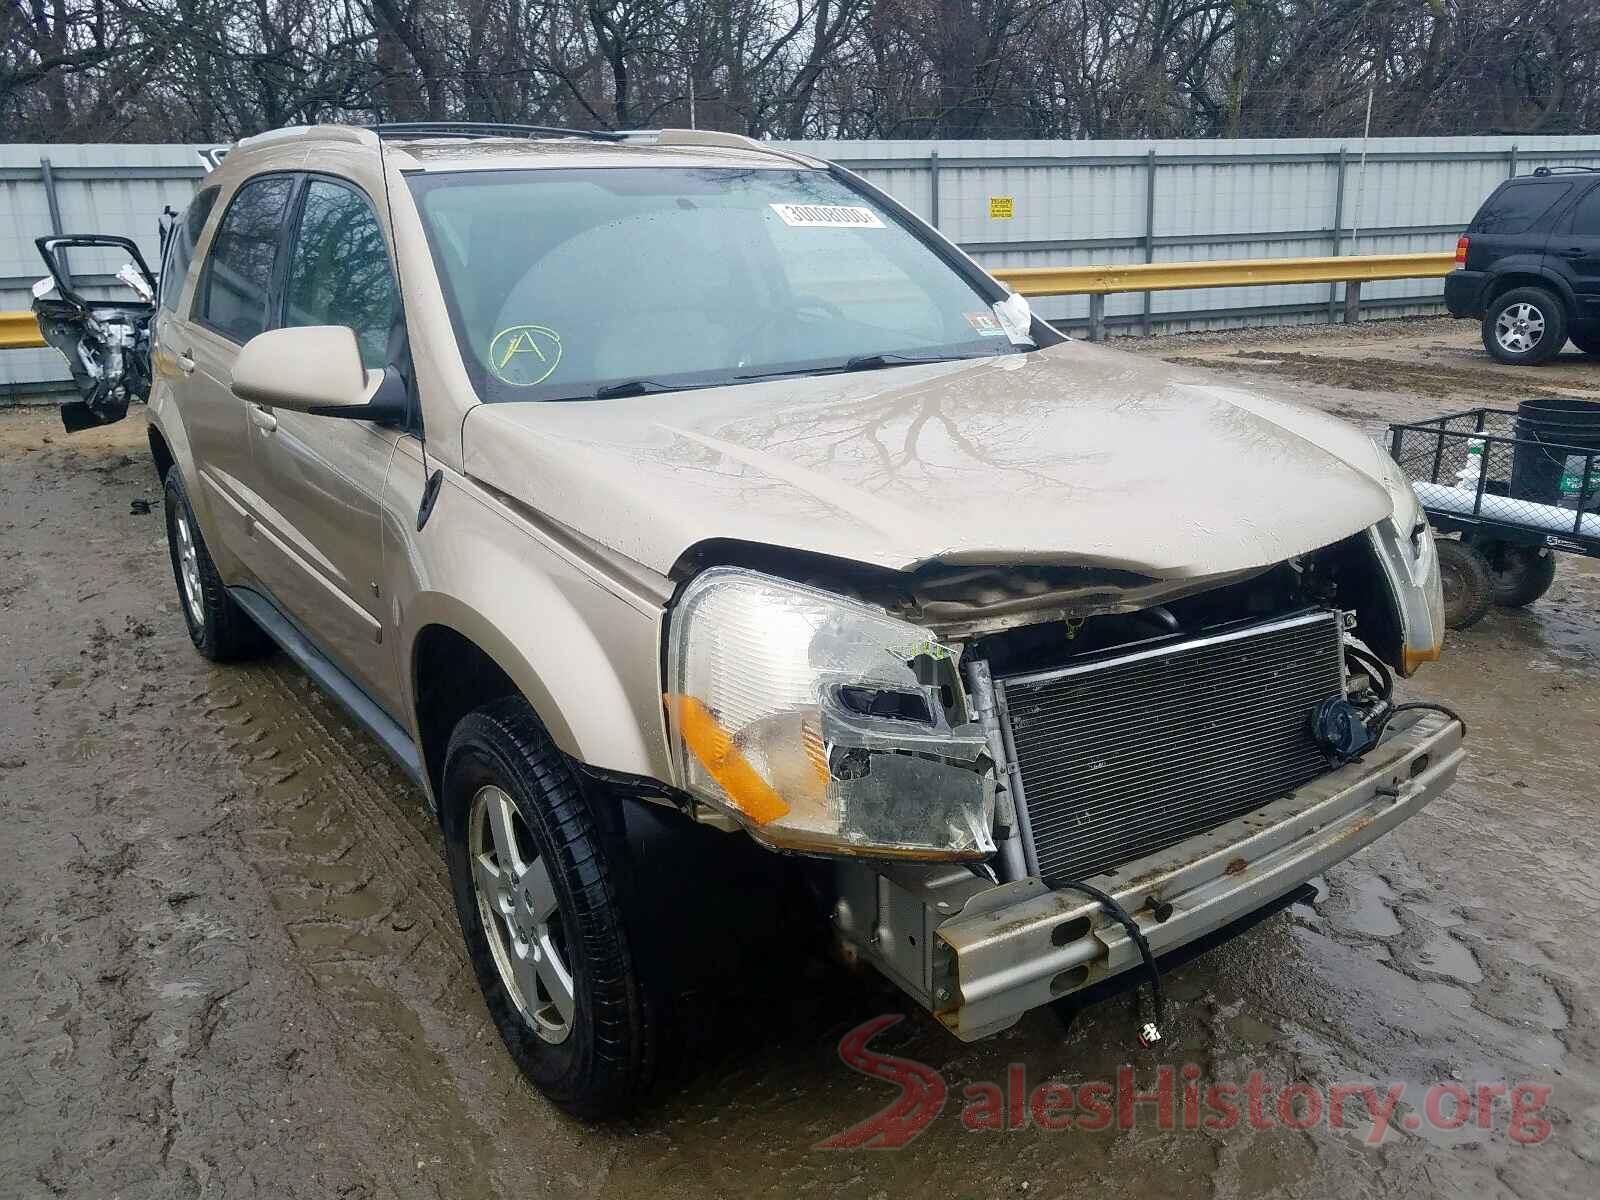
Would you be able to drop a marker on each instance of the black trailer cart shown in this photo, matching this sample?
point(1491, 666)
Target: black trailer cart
point(1506, 489)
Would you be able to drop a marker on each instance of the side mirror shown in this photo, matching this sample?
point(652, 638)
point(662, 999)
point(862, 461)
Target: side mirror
point(1015, 315)
point(316, 369)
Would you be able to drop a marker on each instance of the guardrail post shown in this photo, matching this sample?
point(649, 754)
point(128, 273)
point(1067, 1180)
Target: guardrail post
point(933, 188)
point(53, 202)
point(1149, 230)
point(1352, 302)
point(1338, 230)
point(1097, 317)
point(1512, 159)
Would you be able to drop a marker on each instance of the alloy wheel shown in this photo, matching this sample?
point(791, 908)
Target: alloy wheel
point(1519, 328)
point(520, 914)
point(189, 569)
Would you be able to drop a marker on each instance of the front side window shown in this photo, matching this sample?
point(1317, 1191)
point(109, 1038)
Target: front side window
point(238, 273)
point(564, 284)
point(339, 271)
point(180, 246)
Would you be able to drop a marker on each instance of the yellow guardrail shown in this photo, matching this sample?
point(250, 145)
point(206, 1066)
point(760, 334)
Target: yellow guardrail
point(18, 330)
point(1242, 272)
point(1099, 282)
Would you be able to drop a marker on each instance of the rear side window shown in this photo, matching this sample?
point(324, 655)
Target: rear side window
point(339, 270)
point(1586, 216)
point(1516, 206)
point(180, 246)
point(238, 274)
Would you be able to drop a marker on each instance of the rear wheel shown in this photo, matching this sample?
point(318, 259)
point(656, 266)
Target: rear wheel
point(1519, 575)
point(534, 867)
point(218, 627)
point(1525, 327)
point(1468, 586)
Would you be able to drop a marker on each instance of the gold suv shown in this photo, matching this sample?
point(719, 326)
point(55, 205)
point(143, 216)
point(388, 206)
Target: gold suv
point(725, 554)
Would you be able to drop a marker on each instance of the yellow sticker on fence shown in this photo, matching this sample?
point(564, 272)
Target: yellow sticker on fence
point(1001, 208)
point(523, 355)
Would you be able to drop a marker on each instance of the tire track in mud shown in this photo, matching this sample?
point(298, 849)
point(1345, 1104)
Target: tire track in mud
point(359, 880)
point(354, 867)
point(164, 1038)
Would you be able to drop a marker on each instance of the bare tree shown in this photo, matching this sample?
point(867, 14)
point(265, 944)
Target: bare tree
point(217, 69)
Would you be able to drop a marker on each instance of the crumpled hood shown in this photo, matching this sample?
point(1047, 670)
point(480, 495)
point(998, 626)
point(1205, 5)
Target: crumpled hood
point(1073, 454)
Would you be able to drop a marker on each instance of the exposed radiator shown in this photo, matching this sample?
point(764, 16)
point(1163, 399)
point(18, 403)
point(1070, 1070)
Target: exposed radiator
point(1125, 755)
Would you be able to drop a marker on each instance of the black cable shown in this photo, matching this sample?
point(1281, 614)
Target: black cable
point(1146, 955)
point(1374, 665)
point(1415, 706)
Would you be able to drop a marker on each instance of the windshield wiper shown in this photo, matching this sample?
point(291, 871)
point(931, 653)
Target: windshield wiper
point(636, 387)
point(864, 362)
point(876, 362)
point(861, 362)
point(633, 387)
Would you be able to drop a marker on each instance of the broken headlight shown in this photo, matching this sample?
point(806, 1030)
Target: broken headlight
point(823, 725)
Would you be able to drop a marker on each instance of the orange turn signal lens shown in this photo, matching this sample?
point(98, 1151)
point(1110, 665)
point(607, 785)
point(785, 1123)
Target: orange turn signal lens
point(710, 743)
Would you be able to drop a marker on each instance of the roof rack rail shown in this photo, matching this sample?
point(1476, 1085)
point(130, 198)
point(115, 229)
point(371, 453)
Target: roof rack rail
point(486, 129)
point(1544, 171)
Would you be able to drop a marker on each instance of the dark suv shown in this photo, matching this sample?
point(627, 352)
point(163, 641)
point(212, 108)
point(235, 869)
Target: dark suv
point(1528, 266)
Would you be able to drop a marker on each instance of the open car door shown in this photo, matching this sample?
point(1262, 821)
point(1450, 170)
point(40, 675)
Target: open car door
point(106, 342)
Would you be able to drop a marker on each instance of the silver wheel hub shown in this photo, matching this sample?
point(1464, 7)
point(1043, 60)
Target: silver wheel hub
point(189, 570)
point(520, 915)
point(1519, 328)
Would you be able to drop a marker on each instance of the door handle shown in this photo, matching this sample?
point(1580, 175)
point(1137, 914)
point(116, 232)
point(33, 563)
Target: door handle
point(1574, 252)
point(186, 362)
point(262, 418)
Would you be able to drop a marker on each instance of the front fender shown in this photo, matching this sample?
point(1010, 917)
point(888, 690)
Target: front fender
point(586, 656)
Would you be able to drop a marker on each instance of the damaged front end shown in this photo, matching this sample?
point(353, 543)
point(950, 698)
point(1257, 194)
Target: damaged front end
point(1196, 749)
point(106, 342)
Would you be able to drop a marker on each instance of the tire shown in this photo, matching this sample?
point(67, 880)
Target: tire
point(559, 913)
point(1468, 583)
point(218, 627)
point(1534, 327)
point(1518, 575)
point(1588, 342)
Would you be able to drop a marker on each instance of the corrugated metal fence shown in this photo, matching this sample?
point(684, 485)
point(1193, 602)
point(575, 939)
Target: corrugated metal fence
point(1010, 203)
point(1079, 203)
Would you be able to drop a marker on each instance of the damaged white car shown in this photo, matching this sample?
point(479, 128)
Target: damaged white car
point(714, 542)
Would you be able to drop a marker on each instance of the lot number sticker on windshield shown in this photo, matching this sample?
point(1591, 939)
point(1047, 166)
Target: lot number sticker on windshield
point(827, 216)
point(523, 355)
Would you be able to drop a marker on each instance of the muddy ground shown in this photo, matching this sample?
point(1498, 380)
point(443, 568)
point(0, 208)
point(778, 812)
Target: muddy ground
point(230, 966)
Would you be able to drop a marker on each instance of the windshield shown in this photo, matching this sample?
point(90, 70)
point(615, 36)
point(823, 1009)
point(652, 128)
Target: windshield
point(568, 284)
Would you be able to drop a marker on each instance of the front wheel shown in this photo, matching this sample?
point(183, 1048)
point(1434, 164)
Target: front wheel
point(218, 627)
point(534, 869)
point(1525, 327)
